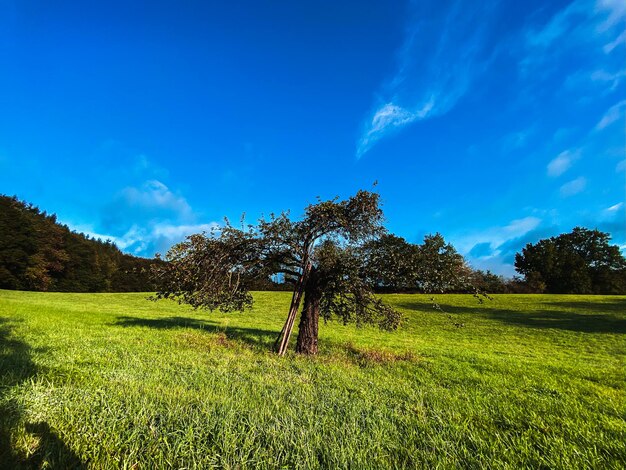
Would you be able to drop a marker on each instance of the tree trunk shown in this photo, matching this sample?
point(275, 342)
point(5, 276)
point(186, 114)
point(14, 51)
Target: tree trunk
point(309, 319)
point(282, 342)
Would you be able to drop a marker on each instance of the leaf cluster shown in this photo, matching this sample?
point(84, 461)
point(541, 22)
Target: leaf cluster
point(347, 293)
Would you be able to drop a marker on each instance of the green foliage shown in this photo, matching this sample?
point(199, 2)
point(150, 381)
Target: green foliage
point(434, 266)
point(37, 253)
point(486, 281)
point(113, 381)
point(318, 253)
point(346, 293)
point(580, 262)
point(214, 271)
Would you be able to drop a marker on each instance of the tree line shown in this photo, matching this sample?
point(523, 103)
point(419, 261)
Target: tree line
point(38, 253)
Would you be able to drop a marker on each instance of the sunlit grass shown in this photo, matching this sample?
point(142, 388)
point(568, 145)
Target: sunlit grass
point(115, 381)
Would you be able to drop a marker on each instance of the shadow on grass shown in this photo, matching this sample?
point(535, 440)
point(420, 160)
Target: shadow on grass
point(578, 321)
point(604, 306)
point(16, 366)
point(255, 337)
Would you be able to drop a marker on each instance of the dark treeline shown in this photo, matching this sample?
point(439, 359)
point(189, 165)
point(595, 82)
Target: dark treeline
point(38, 253)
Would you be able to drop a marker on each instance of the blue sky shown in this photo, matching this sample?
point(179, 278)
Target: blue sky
point(494, 123)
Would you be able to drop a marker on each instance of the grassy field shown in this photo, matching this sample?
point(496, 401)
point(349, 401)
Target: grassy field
point(115, 381)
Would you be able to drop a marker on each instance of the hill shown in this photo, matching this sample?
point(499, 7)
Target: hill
point(38, 253)
point(115, 381)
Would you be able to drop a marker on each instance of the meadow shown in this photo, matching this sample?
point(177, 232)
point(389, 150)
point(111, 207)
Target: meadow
point(116, 381)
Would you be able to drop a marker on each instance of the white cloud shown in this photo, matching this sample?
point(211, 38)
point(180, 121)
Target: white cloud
point(496, 236)
point(560, 24)
point(614, 113)
point(585, 29)
point(155, 195)
point(158, 237)
point(561, 163)
point(430, 77)
point(389, 117)
point(614, 10)
point(605, 77)
point(621, 39)
point(181, 231)
point(149, 218)
point(615, 207)
point(520, 227)
point(573, 187)
point(621, 166)
point(88, 230)
point(148, 238)
point(497, 256)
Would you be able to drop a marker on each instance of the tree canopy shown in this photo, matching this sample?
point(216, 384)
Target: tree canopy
point(319, 254)
point(434, 266)
point(579, 262)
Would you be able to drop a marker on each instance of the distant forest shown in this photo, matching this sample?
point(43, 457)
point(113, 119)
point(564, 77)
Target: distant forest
point(38, 253)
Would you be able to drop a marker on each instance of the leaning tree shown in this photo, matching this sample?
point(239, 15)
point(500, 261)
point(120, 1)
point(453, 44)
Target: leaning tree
point(320, 254)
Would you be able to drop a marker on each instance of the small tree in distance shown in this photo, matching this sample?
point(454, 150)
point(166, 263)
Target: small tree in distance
point(320, 254)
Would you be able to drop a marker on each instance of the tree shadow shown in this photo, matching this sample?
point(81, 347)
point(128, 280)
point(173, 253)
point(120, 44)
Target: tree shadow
point(615, 305)
point(416, 306)
point(571, 321)
point(51, 450)
point(583, 316)
point(554, 319)
point(16, 366)
point(255, 337)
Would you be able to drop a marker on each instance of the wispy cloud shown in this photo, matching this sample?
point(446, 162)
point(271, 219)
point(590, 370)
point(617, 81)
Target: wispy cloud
point(621, 39)
point(388, 118)
point(613, 114)
point(430, 78)
point(615, 207)
point(584, 33)
point(561, 163)
point(573, 187)
point(615, 11)
point(613, 79)
point(447, 50)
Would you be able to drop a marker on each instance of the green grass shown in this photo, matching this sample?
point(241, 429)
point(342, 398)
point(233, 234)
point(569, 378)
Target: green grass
point(115, 381)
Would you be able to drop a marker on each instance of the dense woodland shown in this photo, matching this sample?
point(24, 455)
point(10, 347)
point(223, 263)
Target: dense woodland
point(38, 253)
